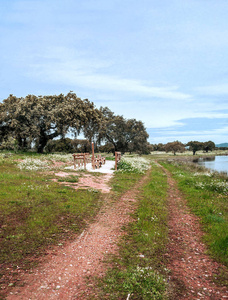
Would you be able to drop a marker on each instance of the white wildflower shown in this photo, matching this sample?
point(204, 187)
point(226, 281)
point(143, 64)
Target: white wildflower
point(135, 164)
point(33, 164)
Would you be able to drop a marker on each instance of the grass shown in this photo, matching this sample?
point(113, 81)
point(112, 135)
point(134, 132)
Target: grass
point(206, 194)
point(36, 212)
point(71, 179)
point(139, 269)
point(129, 172)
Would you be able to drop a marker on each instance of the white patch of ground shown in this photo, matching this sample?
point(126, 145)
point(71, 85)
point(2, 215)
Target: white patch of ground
point(107, 168)
point(87, 180)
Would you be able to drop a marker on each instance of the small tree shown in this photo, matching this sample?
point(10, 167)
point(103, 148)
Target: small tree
point(208, 146)
point(175, 147)
point(195, 146)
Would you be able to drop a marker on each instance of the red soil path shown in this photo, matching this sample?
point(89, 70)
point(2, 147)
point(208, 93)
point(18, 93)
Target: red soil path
point(64, 273)
point(191, 269)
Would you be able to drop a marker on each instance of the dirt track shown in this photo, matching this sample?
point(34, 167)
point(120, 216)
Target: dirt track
point(64, 275)
point(191, 269)
point(65, 272)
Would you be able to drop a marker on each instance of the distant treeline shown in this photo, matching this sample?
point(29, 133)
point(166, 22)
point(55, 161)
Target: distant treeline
point(177, 146)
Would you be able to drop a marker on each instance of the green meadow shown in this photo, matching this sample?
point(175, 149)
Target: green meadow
point(37, 213)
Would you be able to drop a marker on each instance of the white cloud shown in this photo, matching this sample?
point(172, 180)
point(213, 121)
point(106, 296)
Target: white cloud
point(214, 90)
point(64, 66)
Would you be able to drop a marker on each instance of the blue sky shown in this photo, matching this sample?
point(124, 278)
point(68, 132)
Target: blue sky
point(162, 62)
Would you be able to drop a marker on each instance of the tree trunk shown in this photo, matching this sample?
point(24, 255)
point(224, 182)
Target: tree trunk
point(41, 144)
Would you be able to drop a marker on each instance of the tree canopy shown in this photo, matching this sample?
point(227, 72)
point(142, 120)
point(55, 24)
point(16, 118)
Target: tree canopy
point(208, 146)
point(40, 119)
point(175, 147)
point(37, 120)
point(125, 135)
point(196, 146)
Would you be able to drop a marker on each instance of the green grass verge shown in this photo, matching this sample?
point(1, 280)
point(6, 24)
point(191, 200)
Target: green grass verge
point(123, 182)
point(139, 269)
point(206, 195)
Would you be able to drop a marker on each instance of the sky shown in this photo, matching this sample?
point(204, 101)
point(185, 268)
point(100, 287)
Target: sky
point(162, 62)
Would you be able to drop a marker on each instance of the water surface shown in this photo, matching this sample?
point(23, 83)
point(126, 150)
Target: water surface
point(215, 163)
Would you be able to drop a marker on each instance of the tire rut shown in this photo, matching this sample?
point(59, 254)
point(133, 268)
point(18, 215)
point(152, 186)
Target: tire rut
point(191, 268)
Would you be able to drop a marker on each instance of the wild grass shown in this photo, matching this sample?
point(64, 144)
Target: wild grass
point(71, 179)
point(128, 173)
point(36, 212)
point(133, 165)
point(139, 270)
point(206, 193)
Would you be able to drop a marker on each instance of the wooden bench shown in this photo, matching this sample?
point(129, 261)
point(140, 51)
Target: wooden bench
point(81, 159)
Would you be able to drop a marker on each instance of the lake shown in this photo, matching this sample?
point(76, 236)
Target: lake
point(215, 163)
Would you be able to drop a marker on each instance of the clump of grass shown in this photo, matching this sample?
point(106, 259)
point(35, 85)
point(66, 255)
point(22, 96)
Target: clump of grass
point(139, 270)
point(108, 157)
point(133, 165)
point(123, 182)
point(207, 197)
point(71, 179)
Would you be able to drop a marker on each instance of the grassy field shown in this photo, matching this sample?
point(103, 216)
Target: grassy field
point(36, 213)
point(160, 154)
point(140, 270)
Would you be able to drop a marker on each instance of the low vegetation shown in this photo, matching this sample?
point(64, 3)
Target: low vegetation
point(132, 164)
point(206, 193)
point(36, 212)
point(139, 270)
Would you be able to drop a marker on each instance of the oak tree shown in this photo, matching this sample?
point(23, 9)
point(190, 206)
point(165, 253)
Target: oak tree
point(208, 146)
point(40, 119)
point(195, 146)
point(175, 147)
point(124, 134)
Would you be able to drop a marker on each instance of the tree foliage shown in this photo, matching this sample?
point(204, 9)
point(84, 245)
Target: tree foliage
point(196, 146)
point(158, 147)
point(175, 147)
point(208, 146)
point(125, 135)
point(40, 119)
